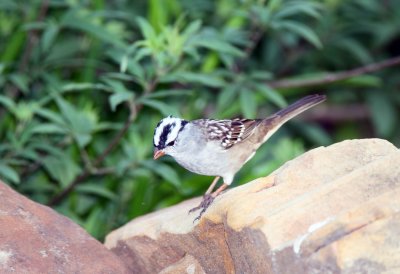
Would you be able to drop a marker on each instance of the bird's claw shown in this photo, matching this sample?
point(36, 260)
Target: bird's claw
point(205, 203)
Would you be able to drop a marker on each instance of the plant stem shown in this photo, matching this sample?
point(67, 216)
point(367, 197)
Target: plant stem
point(335, 77)
point(87, 171)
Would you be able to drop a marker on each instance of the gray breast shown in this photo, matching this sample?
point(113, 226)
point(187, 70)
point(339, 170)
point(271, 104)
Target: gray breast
point(199, 155)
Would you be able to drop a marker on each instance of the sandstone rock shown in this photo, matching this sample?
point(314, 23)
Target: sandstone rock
point(35, 239)
point(187, 264)
point(331, 210)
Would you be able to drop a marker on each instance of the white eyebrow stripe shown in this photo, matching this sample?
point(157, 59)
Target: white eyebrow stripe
point(156, 138)
point(157, 134)
point(174, 132)
point(174, 123)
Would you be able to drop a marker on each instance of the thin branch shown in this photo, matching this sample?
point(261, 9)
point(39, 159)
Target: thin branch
point(114, 142)
point(87, 172)
point(335, 77)
point(36, 165)
point(134, 109)
point(338, 114)
point(33, 37)
point(104, 171)
point(255, 37)
point(86, 159)
point(13, 91)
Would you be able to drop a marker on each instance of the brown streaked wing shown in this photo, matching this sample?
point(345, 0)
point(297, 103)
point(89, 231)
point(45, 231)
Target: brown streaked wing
point(229, 132)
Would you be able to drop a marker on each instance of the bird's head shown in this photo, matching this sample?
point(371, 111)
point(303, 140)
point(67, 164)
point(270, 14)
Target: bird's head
point(165, 135)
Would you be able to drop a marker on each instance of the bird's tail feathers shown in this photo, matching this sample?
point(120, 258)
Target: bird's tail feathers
point(298, 107)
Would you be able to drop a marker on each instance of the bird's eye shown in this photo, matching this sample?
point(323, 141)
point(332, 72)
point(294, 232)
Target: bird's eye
point(171, 143)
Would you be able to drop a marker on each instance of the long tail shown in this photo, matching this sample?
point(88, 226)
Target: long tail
point(298, 107)
point(275, 121)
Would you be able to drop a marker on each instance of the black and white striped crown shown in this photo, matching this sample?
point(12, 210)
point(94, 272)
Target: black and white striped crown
point(167, 131)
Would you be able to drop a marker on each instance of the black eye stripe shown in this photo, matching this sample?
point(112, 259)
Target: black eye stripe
point(183, 124)
point(165, 130)
point(164, 136)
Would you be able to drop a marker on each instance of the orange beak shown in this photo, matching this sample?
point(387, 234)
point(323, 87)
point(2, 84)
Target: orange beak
point(158, 153)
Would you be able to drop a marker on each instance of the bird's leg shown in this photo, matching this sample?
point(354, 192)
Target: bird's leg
point(207, 195)
point(212, 186)
point(208, 198)
point(219, 190)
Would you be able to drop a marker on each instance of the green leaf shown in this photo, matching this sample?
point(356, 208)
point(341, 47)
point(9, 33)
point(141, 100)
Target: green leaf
point(51, 116)
point(118, 98)
point(116, 86)
point(105, 126)
point(48, 148)
point(363, 81)
point(13, 47)
point(8, 103)
point(384, 115)
point(83, 86)
point(168, 93)
point(79, 122)
point(142, 53)
point(9, 173)
point(193, 28)
point(274, 4)
point(97, 190)
point(26, 134)
point(124, 64)
point(92, 222)
point(164, 108)
point(216, 44)
point(137, 71)
point(29, 154)
point(37, 25)
point(158, 13)
point(260, 75)
point(199, 78)
point(226, 97)
point(9, 5)
point(165, 171)
point(72, 20)
point(355, 48)
point(62, 169)
point(303, 31)
point(48, 128)
point(21, 81)
point(273, 95)
point(25, 110)
point(49, 36)
point(298, 7)
point(4, 147)
point(248, 103)
point(315, 134)
point(147, 30)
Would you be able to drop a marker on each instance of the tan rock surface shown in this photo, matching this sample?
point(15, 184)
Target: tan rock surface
point(331, 210)
point(35, 239)
point(187, 264)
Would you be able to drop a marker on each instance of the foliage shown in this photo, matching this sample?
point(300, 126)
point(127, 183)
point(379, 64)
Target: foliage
point(85, 82)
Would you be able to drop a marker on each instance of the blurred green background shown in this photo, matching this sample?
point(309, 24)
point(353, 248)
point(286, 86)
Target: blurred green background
point(83, 84)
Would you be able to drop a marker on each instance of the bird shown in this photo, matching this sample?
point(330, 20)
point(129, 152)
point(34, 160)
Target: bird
point(220, 147)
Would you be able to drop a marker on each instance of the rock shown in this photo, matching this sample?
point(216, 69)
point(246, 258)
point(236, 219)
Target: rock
point(331, 210)
point(187, 264)
point(35, 239)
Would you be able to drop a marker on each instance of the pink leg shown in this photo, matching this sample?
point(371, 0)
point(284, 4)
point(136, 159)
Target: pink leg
point(214, 182)
point(208, 198)
point(219, 190)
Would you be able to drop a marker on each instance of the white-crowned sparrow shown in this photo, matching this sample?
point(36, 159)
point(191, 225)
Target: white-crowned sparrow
point(220, 147)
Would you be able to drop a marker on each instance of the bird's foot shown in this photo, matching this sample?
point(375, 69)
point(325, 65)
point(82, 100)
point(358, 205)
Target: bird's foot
point(205, 203)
